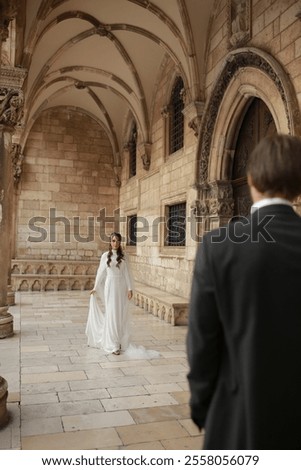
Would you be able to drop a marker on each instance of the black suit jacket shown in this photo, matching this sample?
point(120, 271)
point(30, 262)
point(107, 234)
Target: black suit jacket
point(244, 335)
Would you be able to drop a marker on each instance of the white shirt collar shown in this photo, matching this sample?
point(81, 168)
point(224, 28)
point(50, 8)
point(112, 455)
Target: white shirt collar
point(268, 201)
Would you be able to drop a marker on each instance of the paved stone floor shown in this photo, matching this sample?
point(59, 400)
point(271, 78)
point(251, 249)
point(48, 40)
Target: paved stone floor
point(65, 395)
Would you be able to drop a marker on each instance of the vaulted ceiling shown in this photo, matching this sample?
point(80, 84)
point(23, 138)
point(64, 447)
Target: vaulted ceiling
point(104, 57)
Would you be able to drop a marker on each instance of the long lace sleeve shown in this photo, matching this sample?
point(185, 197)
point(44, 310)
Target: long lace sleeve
point(128, 274)
point(101, 272)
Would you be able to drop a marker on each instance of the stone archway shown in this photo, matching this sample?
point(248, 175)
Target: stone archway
point(248, 74)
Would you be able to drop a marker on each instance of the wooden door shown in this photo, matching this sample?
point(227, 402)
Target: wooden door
point(258, 123)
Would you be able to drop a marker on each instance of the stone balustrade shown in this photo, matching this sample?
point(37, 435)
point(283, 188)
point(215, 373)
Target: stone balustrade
point(52, 275)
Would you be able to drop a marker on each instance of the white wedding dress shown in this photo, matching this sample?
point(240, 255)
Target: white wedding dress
point(108, 324)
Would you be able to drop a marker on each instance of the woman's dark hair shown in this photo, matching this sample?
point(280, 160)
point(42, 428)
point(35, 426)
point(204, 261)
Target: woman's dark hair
point(275, 166)
point(120, 254)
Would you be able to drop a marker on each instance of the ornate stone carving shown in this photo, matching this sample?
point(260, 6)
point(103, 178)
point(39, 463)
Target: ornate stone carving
point(11, 106)
point(17, 161)
point(217, 200)
point(8, 10)
point(44, 275)
point(117, 171)
point(145, 152)
point(165, 111)
point(239, 22)
point(194, 113)
point(235, 62)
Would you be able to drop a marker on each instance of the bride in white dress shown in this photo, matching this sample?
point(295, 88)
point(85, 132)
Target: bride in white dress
point(108, 324)
point(110, 331)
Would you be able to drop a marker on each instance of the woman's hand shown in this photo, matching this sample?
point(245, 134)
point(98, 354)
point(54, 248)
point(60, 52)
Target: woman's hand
point(92, 291)
point(130, 294)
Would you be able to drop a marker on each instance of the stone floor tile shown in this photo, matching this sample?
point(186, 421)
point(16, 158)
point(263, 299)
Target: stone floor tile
point(61, 409)
point(163, 388)
point(155, 445)
point(186, 443)
point(160, 413)
point(97, 420)
point(151, 432)
point(127, 391)
point(143, 401)
point(36, 399)
point(81, 395)
point(37, 426)
point(181, 397)
point(190, 427)
point(53, 377)
point(92, 439)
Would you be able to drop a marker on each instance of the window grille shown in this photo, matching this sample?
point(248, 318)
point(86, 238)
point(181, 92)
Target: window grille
point(133, 151)
point(132, 230)
point(176, 131)
point(176, 225)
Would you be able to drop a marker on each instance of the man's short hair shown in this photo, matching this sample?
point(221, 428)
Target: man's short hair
point(275, 166)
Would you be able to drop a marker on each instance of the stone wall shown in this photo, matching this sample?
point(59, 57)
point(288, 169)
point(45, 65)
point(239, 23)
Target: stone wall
point(168, 181)
point(275, 29)
point(67, 179)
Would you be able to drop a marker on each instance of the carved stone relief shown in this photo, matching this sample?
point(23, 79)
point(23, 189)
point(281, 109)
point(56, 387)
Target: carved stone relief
point(239, 24)
point(17, 162)
point(11, 106)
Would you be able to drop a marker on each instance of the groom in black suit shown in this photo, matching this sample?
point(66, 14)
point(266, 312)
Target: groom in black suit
point(244, 334)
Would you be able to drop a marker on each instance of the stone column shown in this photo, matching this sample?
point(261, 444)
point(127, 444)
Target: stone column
point(11, 108)
point(11, 105)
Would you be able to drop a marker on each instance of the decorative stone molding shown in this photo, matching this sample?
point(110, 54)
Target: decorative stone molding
point(236, 61)
point(12, 77)
point(194, 112)
point(17, 161)
point(52, 275)
point(145, 153)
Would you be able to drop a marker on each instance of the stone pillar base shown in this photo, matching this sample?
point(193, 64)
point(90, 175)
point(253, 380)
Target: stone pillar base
point(3, 399)
point(6, 324)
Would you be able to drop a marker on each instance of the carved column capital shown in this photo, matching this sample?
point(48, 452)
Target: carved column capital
point(220, 199)
point(11, 106)
point(11, 95)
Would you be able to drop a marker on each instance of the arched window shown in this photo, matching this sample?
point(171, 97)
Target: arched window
point(176, 126)
point(133, 151)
